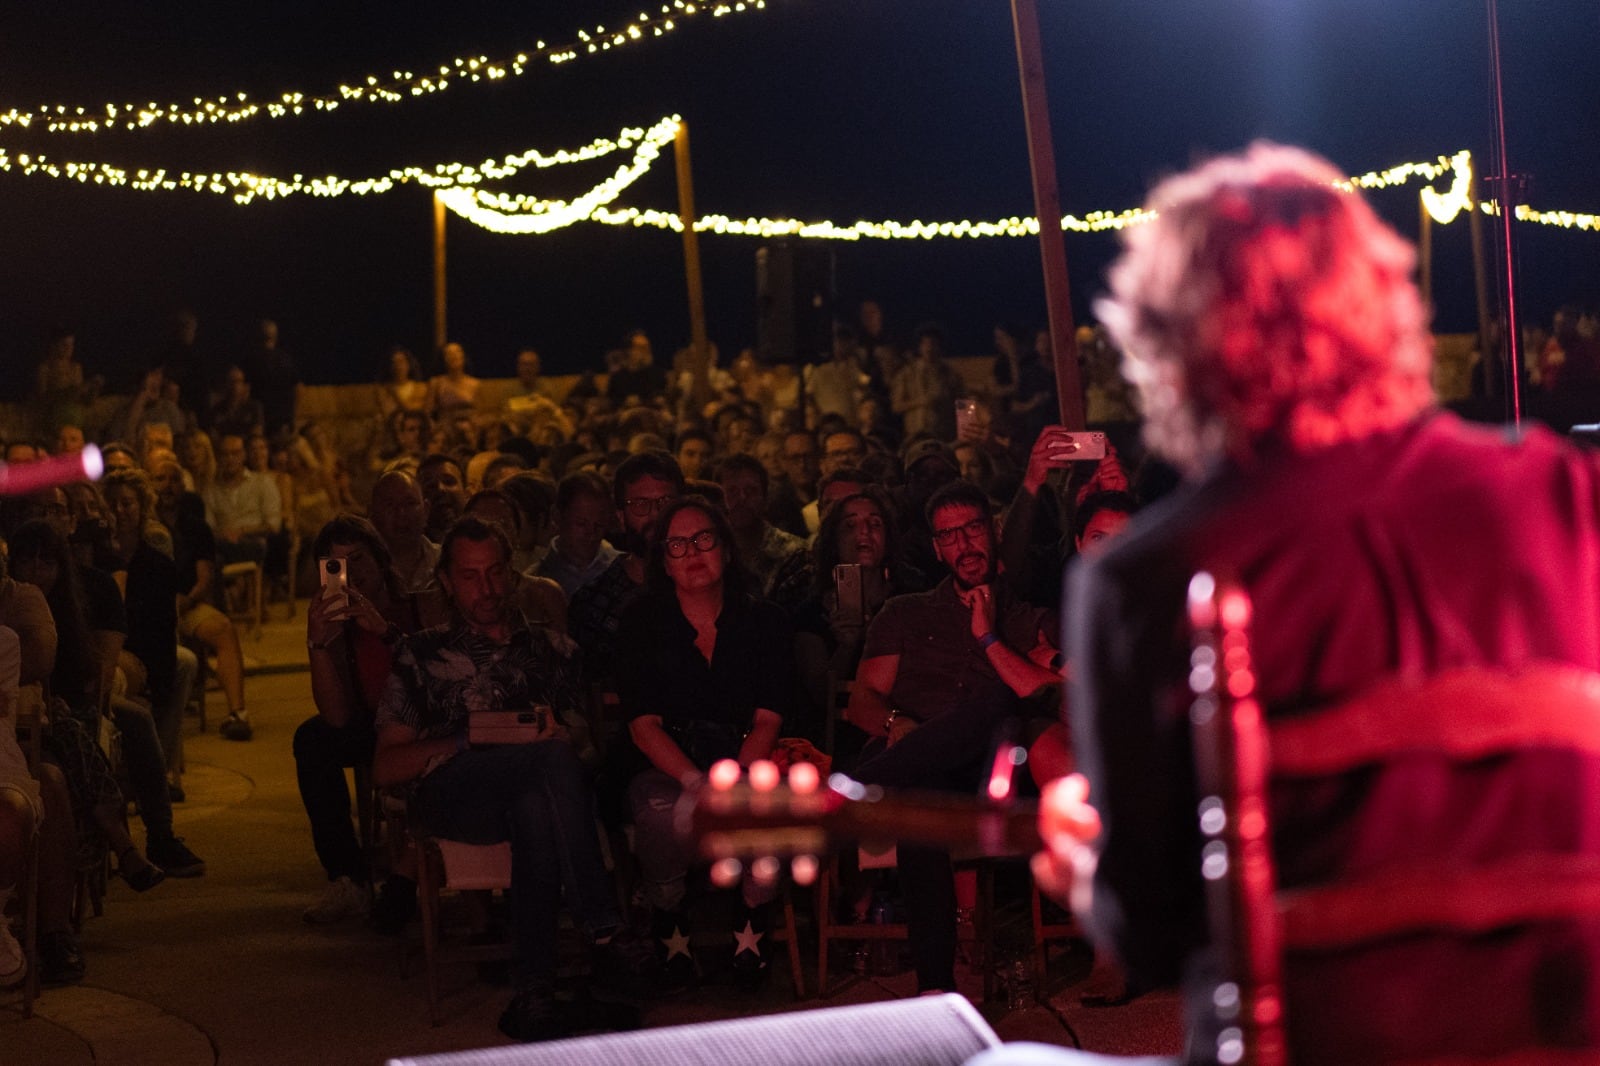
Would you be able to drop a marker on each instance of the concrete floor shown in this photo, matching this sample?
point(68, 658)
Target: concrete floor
point(222, 969)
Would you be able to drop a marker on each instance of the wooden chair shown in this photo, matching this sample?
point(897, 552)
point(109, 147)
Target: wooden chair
point(1460, 718)
point(449, 865)
point(248, 575)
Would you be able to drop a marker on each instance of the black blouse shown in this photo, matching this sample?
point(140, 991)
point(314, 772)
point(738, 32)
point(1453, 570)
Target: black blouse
point(660, 671)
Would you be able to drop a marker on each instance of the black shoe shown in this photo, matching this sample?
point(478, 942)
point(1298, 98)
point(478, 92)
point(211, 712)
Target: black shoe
point(395, 906)
point(534, 1015)
point(175, 793)
point(752, 936)
point(174, 857)
point(585, 1014)
point(670, 932)
point(627, 964)
point(235, 727)
point(60, 959)
point(139, 872)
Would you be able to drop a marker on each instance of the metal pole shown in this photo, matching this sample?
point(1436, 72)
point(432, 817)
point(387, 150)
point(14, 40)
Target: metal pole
point(1488, 352)
point(699, 349)
point(1425, 253)
point(440, 333)
point(1047, 205)
point(1513, 338)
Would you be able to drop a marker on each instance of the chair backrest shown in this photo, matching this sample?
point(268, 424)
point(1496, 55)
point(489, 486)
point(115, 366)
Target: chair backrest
point(1460, 717)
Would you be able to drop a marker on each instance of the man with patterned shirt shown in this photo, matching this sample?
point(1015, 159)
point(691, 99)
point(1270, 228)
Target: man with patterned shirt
point(487, 658)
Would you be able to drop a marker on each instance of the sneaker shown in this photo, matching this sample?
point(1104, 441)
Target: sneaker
point(534, 1015)
point(395, 906)
point(342, 899)
point(235, 727)
point(752, 957)
point(60, 959)
point(13, 962)
point(669, 931)
point(627, 964)
point(173, 856)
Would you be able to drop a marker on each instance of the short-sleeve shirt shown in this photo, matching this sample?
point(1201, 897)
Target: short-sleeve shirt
point(594, 614)
point(940, 659)
point(443, 674)
point(659, 671)
point(152, 599)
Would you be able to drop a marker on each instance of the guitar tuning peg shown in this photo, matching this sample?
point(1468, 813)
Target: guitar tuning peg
point(725, 872)
point(724, 774)
point(764, 871)
point(803, 868)
point(804, 778)
point(764, 775)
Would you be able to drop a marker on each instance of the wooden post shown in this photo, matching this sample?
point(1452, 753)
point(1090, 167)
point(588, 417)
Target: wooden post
point(1047, 204)
point(440, 332)
point(699, 349)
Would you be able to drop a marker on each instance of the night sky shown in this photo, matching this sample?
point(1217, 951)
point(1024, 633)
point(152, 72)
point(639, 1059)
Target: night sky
point(840, 109)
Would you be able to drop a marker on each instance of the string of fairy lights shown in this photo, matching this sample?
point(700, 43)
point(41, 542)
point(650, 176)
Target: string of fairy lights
point(458, 185)
point(245, 187)
point(397, 86)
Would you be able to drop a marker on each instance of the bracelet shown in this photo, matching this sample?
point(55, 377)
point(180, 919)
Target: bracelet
point(987, 641)
point(888, 723)
point(320, 645)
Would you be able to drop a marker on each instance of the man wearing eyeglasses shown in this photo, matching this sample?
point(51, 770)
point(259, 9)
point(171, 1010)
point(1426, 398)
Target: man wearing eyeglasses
point(940, 673)
point(644, 484)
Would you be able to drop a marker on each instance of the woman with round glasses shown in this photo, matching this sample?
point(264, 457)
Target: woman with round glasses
point(703, 673)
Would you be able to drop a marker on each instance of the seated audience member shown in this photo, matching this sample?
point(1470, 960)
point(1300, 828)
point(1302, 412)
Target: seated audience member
point(99, 811)
point(579, 552)
point(798, 485)
point(792, 582)
point(638, 379)
point(145, 405)
point(540, 599)
point(860, 531)
point(644, 484)
point(195, 552)
point(703, 673)
point(939, 672)
point(694, 453)
point(533, 794)
point(763, 547)
point(397, 513)
point(929, 466)
point(69, 440)
point(502, 468)
point(444, 493)
point(403, 388)
point(242, 508)
point(199, 461)
point(350, 643)
point(236, 414)
point(21, 810)
point(534, 496)
point(411, 431)
point(86, 656)
point(1037, 530)
point(114, 454)
point(454, 392)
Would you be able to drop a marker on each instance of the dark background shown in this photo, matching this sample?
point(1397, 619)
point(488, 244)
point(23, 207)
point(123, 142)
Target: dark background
point(839, 109)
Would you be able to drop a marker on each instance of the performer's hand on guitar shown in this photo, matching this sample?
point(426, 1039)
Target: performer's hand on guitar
point(1069, 826)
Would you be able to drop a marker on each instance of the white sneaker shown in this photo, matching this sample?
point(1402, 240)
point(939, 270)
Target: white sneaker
point(13, 963)
point(341, 900)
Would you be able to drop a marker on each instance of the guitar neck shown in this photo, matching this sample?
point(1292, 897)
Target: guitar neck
point(742, 823)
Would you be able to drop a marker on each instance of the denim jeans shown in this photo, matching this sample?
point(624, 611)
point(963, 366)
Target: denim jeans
point(321, 752)
point(145, 765)
point(664, 857)
point(537, 797)
point(167, 707)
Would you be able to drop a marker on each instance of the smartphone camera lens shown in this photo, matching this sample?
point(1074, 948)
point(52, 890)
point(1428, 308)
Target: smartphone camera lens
point(334, 566)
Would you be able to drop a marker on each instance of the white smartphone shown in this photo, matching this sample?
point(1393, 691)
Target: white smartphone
point(335, 581)
point(1082, 447)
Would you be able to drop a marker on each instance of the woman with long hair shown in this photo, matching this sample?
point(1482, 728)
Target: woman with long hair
point(703, 673)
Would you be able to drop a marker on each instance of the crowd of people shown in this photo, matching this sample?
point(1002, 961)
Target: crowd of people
point(711, 555)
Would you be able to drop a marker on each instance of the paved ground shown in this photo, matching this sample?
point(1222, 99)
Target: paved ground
point(222, 969)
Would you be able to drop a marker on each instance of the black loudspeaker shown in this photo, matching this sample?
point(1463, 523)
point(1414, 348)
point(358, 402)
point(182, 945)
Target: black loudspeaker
point(926, 1031)
point(794, 301)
